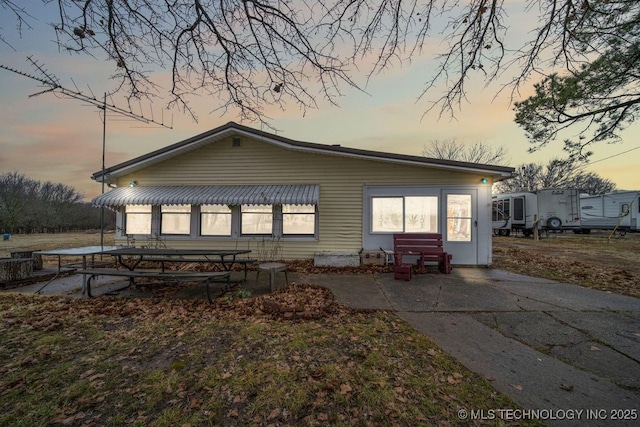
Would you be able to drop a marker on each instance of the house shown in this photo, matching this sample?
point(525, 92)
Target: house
point(233, 186)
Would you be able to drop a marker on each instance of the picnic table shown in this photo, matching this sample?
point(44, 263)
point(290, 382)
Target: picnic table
point(83, 251)
point(206, 277)
point(130, 258)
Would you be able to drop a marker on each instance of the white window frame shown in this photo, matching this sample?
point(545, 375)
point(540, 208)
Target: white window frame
point(459, 222)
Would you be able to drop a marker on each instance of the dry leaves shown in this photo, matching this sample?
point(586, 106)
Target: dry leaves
point(244, 361)
point(585, 261)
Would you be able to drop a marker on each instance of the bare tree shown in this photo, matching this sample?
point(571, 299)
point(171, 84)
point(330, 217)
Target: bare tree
point(57, 202)
point(592, 183)
point(478, 152)
point(17, 195)
point(555, 174)
point(247, 54)
point(241, 54)
point(28, 205)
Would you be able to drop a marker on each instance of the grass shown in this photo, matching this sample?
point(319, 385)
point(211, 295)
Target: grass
point(592, 261)
point(167, 362)
point(46, 241)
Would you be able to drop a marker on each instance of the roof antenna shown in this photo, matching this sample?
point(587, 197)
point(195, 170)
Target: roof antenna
point(52, 84)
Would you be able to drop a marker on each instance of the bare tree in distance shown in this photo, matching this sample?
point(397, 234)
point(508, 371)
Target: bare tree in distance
point(557, 173)
point(477, 152)
point(248, 54)
point(17, 194)
point(593, 184)
point(27, 206)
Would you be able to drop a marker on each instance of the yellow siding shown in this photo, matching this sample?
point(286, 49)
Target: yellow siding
point(341, 183)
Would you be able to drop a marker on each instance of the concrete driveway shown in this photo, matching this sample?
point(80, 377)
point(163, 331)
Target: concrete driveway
point(571, 352)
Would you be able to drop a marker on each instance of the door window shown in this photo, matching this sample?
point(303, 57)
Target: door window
point(459, 217)
point(518, 208)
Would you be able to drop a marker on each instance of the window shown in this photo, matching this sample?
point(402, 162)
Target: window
point(138, 219)
point(518, 208)
point(175, 219)
point(506, 208)
point(420, 214)
point(459, 217)
point(404, 214)
point(624, 209)
point(256, 219)
point(387, 214)
point(215, 220)
point(298, 219)
point(222, 220)
point(501, 210)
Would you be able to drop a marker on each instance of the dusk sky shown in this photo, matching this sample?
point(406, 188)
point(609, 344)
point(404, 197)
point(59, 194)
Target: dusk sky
point(52, 138)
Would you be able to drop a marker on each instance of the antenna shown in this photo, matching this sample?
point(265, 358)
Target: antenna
point(53, 85)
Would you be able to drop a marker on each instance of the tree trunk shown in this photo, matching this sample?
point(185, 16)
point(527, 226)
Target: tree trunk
point(37, 258)
point(15, 269)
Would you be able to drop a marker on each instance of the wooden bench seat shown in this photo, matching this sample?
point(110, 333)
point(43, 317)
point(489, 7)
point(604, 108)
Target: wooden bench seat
point(206, 277)
point(90, 264)
point(244, 262)
point(426, 247)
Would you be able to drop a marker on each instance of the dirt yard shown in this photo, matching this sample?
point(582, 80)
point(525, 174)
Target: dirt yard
point(45, 241)
point(593, 261)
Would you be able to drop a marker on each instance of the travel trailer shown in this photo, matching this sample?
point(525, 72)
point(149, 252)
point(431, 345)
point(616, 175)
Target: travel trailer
point(619, 210)
point(555, 209)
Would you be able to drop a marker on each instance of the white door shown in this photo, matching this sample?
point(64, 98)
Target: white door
point(460, 228)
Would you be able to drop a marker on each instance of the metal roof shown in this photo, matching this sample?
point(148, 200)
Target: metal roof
point(211, 195)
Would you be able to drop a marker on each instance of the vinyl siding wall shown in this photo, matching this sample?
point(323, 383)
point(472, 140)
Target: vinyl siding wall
point(341, 183)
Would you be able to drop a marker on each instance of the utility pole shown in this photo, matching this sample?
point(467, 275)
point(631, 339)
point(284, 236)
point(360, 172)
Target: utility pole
point(52, 84)
point(104, 149)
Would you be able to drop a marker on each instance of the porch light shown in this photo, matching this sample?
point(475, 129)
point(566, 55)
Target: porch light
point(484, 180)
point(133, 183)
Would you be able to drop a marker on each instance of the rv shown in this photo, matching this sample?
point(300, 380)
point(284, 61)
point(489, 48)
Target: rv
point(554, 209)
point(619, 210)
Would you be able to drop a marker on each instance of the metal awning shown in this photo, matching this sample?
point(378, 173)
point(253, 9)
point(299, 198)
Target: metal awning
point(210, 195)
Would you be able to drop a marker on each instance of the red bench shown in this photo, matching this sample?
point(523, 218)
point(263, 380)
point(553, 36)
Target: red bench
point(427, 247)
